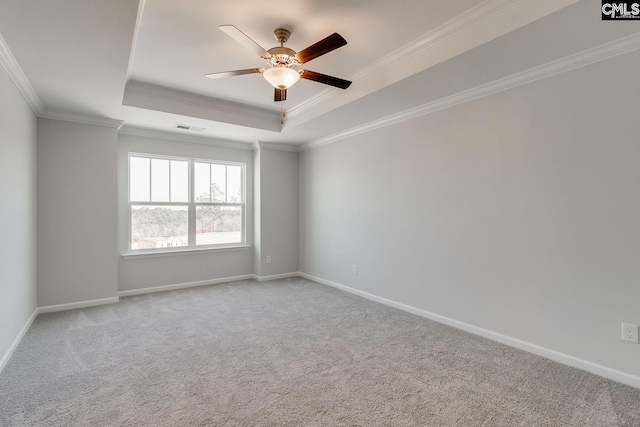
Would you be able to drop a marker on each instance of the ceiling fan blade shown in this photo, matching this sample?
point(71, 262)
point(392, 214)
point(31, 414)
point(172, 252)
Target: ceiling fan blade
point(323, 78)
point(325, 45)
point(233, 73)
point(280, 95)
point(241, 37)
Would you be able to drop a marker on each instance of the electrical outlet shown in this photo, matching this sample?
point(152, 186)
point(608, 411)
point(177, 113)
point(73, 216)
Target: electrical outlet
point(268, 259)
point(354, 269)
point(630, 332)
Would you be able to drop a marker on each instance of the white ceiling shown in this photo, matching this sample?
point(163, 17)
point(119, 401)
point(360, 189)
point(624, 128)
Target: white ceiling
point(143, 63)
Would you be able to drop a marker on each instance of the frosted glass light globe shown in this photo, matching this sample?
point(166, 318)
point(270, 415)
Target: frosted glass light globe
point(281, 77)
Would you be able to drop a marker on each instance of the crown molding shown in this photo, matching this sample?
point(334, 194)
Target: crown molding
point(80, 118)
point(159, 98)
point(162, 93)
point(600, 53)
point(278, 146)
point(10, 65)
point(482, 23)
point(175, 136)
point(134, 40)
point(17, 76)
point(457, 25)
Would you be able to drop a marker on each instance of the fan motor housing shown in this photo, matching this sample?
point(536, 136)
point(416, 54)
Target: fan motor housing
point(281, 50)
point(282, 56)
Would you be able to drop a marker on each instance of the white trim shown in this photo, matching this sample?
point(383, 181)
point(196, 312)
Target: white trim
point(180, 137)
point(565, 359)
point(277, 146)
point(177, 96)
point(454, 26)
point(16, 342)
point(15, 73)
point(134, 40)
point(461, 33)
point(80, 118)
point(159, 98)
point(164, 288)
point(275, 276)
point(190, 206)
point(135, 255)
point(606, 51)
point(79, 304)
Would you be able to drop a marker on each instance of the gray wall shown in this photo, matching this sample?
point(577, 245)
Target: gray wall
point(278, 210)
point(141, 273)
point(83, 215)
point(517, 213)
point(17, 213)
point(76, 212)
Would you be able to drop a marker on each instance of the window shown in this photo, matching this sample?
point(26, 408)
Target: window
point(184, 203)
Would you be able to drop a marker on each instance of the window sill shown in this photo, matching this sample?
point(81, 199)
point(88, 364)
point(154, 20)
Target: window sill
point(136, 255)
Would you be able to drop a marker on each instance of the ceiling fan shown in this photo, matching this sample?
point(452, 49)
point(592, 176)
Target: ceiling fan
point(282, 61)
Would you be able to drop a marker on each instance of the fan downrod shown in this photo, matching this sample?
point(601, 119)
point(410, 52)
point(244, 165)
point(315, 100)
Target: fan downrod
point(282, 35)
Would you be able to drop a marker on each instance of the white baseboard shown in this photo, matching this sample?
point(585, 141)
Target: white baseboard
point(615, 375)
point(74, 305)
point(112, 300)
point(275, 276)
point(165, 288)
point(7, 355)
point(565, 359)
point(186, 285)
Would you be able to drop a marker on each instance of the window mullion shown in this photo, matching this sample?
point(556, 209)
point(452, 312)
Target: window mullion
point(192, 206)
point(243, 201)
point(130, 230)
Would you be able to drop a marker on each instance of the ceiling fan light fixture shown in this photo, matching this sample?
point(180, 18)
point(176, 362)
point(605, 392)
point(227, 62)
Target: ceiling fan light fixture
point(281, 77)
point(282, 61)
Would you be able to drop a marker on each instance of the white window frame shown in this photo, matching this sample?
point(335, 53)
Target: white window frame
point(191, 206)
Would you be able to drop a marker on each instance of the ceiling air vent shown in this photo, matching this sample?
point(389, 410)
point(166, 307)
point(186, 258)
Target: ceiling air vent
point(192, 128)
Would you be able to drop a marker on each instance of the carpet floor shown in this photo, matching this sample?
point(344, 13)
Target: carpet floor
point(286, 353)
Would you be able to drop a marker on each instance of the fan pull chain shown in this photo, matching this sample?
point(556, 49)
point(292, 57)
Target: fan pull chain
point(284, 114)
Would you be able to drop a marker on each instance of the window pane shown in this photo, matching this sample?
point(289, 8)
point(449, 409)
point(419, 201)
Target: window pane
point(179, 181)
point(159, 180)
point(218, 224)
point(234, 184)
point(202, 182)
point(159, 227)
point(218, 183)
point(139, 184)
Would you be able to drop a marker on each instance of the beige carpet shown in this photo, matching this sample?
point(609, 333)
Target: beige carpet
point(286, 353)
